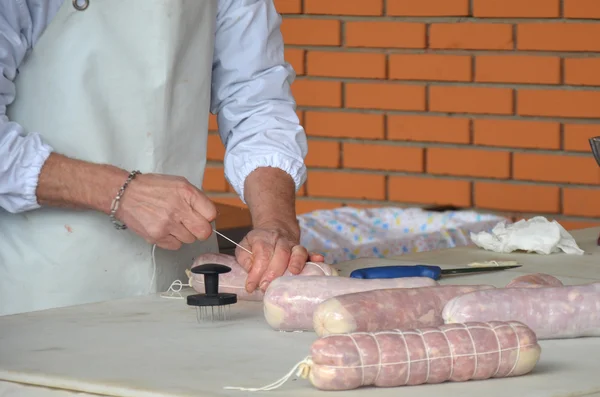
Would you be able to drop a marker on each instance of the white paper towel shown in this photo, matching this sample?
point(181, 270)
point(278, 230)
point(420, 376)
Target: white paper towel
point(533, 235)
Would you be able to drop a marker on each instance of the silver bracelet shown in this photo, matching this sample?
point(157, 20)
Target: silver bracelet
point(115, 203)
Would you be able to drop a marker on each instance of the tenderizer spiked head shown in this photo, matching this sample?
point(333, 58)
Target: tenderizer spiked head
point(211, 305)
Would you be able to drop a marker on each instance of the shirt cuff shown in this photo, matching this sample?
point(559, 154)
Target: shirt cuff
point(237, 169)
point(22, 176)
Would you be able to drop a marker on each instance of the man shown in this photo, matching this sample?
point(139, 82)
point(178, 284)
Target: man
point(104, 108)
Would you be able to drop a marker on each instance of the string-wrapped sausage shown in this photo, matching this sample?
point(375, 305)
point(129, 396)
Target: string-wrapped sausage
point(456, 352)
point(384, 309)
point(235, 280)
point(428, 355)
point(289, 302)
point(552, 312)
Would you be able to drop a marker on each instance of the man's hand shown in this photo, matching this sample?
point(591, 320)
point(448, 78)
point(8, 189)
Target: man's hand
point(275, 239)
point(274, 250)
point(165, 210)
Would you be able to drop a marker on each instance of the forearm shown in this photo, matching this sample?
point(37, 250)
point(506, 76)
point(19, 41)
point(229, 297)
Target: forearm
point(271, 197)
point(70, 183)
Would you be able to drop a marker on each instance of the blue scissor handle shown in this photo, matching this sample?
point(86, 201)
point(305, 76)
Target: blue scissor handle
point(434, 272)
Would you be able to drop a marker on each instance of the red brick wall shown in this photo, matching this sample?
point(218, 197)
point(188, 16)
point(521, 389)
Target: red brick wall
point(474, 103)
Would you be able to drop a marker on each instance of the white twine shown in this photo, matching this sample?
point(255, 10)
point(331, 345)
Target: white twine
point(305, 365)
point(301, 369)
point(169, 294)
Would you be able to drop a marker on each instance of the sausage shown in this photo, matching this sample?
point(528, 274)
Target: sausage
point(456, 353)
point(235, 280)
point(552, 312)
point(536, 280)
point(290, 302)
point(384, 309)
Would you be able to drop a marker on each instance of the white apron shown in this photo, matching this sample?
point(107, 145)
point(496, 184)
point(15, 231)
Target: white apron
point(125, 83)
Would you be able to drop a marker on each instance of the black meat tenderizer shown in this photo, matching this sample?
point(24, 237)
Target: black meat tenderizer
point(212, 301)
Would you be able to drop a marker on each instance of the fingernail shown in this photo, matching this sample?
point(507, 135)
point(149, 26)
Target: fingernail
point(250, 287)
point(264, 285)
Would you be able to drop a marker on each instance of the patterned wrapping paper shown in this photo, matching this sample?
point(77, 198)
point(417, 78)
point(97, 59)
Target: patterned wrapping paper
point(348, 233)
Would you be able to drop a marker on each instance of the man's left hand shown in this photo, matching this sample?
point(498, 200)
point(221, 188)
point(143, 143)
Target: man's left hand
point(274, 250)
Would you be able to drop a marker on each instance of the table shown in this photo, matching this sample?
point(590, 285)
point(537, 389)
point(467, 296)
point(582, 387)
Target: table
point(149, 346)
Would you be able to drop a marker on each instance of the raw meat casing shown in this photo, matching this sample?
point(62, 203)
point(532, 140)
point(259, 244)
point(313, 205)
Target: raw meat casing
point(235, 280)
point(290, 302)
point(454, 352)
point(535, 280)
point(384, 309)
point(552, 313)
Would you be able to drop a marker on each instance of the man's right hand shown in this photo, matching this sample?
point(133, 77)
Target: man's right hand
point(164, 210)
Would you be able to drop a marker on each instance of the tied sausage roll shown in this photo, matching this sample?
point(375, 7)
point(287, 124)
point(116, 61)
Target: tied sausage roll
point(235, 280)
point(384, 309)
point(290, 302)
point(456, 352)
point(536, 280)
point(551, 312)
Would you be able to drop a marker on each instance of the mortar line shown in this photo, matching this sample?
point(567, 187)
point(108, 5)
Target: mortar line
point(305, 62)
point(561, 200)
point(442, 145)
point(561, 8)
point(438, 19)
point(517, 213)
point(405, 204)
point(387, 67)
point(515, 37)
point(448, 51)
point(386, 190)
point(499, 181)
point(471, 132)
point(554, 87)
point(385, 127)
point(462, 115)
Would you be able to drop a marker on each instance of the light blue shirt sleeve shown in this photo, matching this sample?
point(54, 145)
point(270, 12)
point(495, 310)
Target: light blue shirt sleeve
point(251, 94)
point(22, 154)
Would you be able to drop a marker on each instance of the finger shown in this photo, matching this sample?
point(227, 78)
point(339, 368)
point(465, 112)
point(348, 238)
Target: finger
point(202, 205)
point(262, 252)
point(169, 243)
point(181, 233)
point(297, 259)
point(242, 256)
point(314, 257)
point(278, 264)
point(197, 225)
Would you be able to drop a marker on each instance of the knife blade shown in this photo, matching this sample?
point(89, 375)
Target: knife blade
point(595, 144)
point(434, 272)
